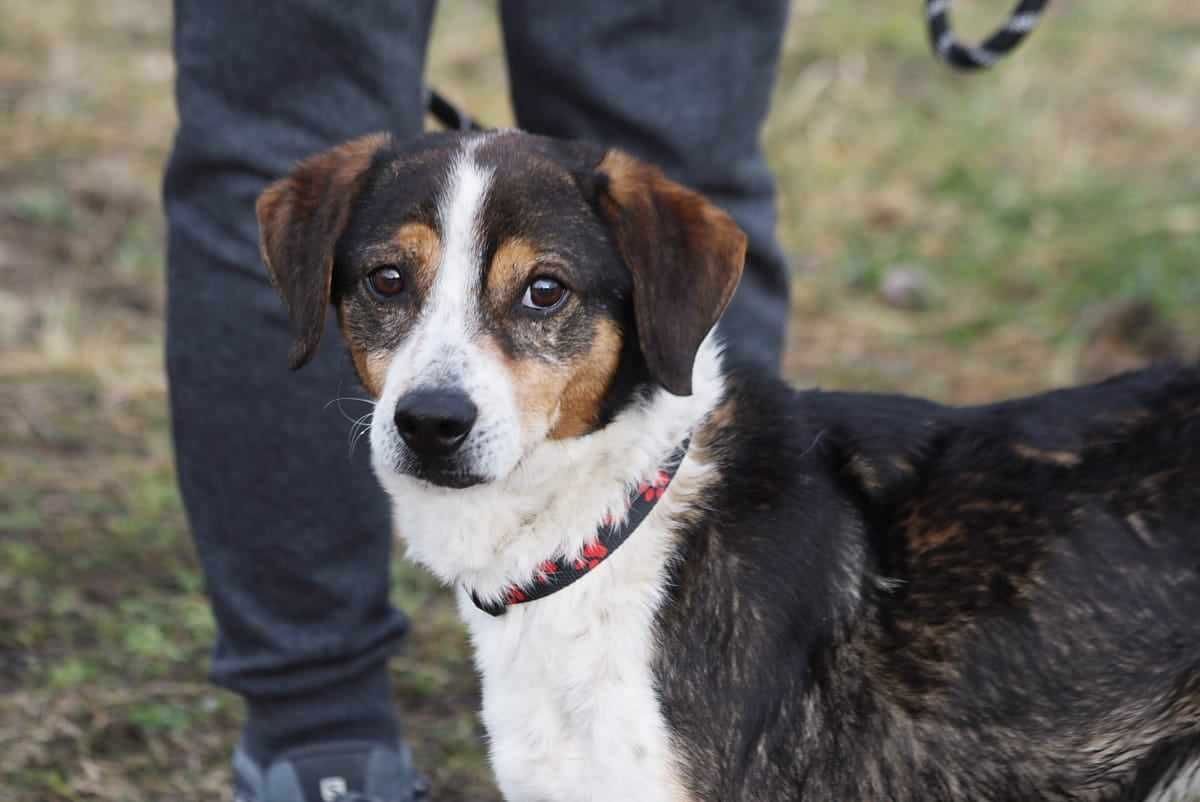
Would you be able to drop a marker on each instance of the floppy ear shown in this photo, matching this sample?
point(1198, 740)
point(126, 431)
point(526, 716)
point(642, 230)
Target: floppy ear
point(300, 219)
point(686, 256)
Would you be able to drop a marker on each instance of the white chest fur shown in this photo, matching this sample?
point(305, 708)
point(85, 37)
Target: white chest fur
point(569, 696)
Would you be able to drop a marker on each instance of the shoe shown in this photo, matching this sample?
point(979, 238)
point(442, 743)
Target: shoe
point(340, 771)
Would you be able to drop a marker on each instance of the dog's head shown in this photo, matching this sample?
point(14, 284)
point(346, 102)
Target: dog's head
point(497, 290)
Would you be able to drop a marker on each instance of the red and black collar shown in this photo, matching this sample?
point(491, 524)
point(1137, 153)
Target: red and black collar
point(554, 575)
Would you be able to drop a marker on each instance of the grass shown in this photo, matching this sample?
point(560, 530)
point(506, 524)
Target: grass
point(1042, 201)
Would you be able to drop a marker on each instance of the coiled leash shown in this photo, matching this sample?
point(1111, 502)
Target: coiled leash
point(945, 44)
point(949, 49)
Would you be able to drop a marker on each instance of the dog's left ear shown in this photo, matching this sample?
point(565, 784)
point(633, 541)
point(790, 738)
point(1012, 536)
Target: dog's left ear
point(300, 219)
point(686, 256)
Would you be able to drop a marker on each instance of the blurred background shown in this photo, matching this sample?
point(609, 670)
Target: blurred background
point(966, 238)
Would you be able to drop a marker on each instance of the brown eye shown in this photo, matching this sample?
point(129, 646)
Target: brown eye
point(543, 294)
point(386, 282)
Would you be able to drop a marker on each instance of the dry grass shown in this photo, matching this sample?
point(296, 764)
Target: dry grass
point(1042, 201)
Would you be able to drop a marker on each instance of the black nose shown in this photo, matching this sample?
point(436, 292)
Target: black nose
point(435, 422)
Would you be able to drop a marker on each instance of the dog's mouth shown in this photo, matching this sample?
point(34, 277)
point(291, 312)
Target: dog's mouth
point(450, 477)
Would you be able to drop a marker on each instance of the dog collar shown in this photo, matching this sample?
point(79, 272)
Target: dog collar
point(554, 575)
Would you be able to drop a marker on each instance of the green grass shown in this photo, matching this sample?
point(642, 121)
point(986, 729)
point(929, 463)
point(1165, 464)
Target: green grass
point(1058, 185)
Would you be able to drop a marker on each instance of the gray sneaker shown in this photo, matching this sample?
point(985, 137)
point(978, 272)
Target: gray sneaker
point(340, 771)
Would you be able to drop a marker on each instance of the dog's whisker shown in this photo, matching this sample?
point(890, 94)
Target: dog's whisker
point(362, 432)
point(358, 428)
point(345, 415)
point(363, 421)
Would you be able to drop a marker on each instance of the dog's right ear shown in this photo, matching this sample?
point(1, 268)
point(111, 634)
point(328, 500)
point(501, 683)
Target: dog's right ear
point(686, 257)
point(300, 219)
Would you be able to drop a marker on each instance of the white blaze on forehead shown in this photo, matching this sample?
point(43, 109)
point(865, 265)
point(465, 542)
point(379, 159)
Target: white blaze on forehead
point(443, 349)
point(434, 353)
point(456, 287)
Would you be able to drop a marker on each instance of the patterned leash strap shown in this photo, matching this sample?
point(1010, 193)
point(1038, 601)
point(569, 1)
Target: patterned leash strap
point(946, 45)
point(949, 49)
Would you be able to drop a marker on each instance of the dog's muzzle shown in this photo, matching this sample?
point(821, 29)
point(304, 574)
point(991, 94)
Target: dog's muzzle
point(434, 424)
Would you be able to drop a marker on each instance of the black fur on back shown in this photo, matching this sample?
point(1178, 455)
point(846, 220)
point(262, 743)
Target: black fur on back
point(888, 599)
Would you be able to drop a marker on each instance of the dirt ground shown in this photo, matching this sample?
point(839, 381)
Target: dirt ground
point(963, 238)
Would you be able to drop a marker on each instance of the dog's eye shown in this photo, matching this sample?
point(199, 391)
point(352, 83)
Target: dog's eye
point(544, 293)
point(386, 282)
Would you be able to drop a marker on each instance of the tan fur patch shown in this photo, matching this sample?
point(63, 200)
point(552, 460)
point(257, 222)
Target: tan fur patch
point(927, 539)
point(371, 366)
point(590, 379)
point(567, 397)
point(925, 533)
point(372, 369)
point(539, 387)
point(419, 247)
point(1064, 458)
point(509, 271)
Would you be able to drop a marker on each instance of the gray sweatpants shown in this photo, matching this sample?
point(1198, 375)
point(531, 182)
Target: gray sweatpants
point(293, 534)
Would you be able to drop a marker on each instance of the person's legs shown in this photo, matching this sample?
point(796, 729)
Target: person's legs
point(293, 534)
point(683, 85)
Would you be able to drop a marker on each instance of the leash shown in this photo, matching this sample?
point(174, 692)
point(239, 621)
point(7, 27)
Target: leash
point(451, 117)
point(1023, 19)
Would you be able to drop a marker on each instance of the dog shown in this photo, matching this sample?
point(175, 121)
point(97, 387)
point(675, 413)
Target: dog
point(688, 581)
